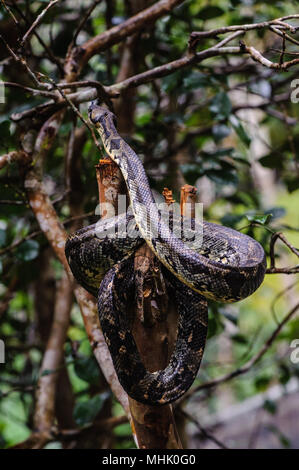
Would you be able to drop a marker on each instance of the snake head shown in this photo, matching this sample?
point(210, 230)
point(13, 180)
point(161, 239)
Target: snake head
point(99, 114)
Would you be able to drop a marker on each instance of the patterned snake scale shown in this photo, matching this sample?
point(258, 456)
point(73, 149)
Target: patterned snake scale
point(227, 266)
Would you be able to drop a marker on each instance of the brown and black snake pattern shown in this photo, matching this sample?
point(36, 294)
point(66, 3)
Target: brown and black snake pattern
point(228, 266)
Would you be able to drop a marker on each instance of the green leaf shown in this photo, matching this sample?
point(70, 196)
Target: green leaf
point(212, 328)
point(262, 219)
point(240, 131)
point(28, 250)
point(292, 183)
point(5, 130)
point(86, 411)
point(218, 153)
point(270, 406)
point(284, 441)
point(87, 369)
point(238, 338)
point(171, 82)
point(192, 172)
point(231, 220)
point(241, 160)
point(272, 160)
point(215, 324)
point(123, 430)
point(284, 375)
point(221, 106)
point(282, 438)
point(196, 80)
point(210, 12)
point(6, 140)
point(230, 317)
point(222, 177)
point(144, 119)
point(262, 382)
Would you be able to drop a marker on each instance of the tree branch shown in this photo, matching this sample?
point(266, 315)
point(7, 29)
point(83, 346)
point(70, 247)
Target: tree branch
point(197, 36)
point(38, 21)
point(14, 156)
point(80, 55)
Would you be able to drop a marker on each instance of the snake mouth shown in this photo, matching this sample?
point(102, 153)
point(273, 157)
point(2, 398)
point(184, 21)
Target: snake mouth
point(99, 113)
point(93, 104)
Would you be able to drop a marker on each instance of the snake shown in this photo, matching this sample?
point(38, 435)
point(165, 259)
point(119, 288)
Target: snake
point(225, 266)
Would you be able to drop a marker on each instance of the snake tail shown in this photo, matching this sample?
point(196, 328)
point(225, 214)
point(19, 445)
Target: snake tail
point(163, 386)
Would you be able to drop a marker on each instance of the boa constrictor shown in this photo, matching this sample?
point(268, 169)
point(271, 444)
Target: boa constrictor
point(227, 266)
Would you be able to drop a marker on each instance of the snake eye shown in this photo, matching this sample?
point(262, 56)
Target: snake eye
point(92, 105)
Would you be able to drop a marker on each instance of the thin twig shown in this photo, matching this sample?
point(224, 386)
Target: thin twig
point(249, 364)
point(278, 296)
point(76, 111)
point(33, 91)
point(258, 57)
point(115, 35)
point(38, 21)
point(48, 50)
point(164, 70)
point(207, 434)
point(23, 62)
point(282, 237)
point(196, 36)
point(281, 34)
point(283, 49)
point(10, 13)
point(35, 234)
point(286, 52)
point(83, 21)
point(12, 203)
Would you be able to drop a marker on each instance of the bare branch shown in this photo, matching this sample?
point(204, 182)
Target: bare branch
point(79, 56)
point(258, 57)
point(83, 21)
point(196, 36)
point(205, 433)
point(10, 13)
point(273, 270)
point(23, 62)
point(75, 110)
point(157, 72)
point(38, 21)
point(33, 91)
point(51, 56)
point(187, 60)
point(283, 34)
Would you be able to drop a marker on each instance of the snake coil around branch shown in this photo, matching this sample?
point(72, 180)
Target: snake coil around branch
point(226, 266)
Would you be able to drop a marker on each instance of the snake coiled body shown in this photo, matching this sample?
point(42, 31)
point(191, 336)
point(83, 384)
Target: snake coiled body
point(228, 266)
